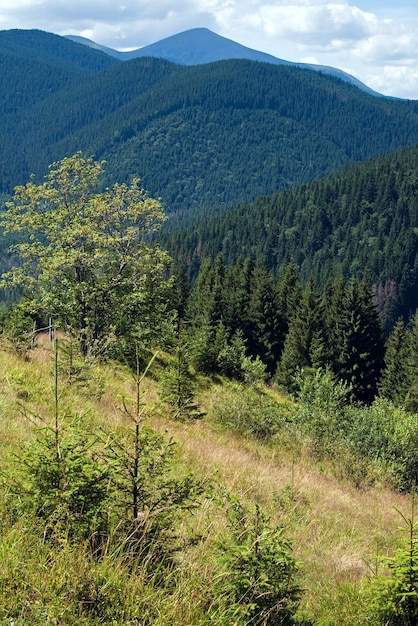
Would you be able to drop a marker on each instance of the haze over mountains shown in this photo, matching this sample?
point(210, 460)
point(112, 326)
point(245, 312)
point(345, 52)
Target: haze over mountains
point(200, 45)
point(290, 193)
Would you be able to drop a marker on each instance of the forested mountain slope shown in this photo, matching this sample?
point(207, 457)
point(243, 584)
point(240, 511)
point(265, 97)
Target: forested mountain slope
point(34, 67)
point(204, 137)
point(48, 48)
point(365, 217)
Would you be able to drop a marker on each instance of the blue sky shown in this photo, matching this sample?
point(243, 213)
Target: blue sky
point(375, 41)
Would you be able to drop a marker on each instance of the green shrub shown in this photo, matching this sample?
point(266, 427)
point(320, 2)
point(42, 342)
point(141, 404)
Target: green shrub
point(249, 411)
point(369, 442)
point(323, 400)
point(18, 324)
point(388, 435)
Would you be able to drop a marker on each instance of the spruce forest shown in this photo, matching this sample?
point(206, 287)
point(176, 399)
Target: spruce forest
point(209, 344)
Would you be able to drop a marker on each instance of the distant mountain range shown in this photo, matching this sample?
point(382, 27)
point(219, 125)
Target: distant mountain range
point(200, 45)
point(203, 137)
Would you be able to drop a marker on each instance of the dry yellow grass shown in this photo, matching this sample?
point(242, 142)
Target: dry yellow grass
point(337, 529)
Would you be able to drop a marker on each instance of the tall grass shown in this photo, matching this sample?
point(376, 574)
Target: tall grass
point(336, 528)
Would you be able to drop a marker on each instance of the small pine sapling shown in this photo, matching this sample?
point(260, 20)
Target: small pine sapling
point(63, 481)
point(257, 579)
point(395, 594)
point(148, 496)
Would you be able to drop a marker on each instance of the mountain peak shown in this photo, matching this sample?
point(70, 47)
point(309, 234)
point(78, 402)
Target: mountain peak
point(201, 45)
point(198, 46)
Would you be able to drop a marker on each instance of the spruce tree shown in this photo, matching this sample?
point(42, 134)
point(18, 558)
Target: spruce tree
point(237, 292)
point(360, 342)
point(180, 290)
point(209, 335)
point(395, 596)
point(304, 346)
point(206, 303)
point(200, 297)
point(199, 313)
point(289, 293)
point(266, 326)
point(411, 401)
point(394, 383)
point(333, 299)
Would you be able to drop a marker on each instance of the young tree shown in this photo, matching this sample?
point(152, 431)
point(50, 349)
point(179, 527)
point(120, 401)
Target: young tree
point(394, 383)
point(395, 595)
point(148, 496)
point(258, 584)
point(86, 258)
point(62, 479)
point(177, 384)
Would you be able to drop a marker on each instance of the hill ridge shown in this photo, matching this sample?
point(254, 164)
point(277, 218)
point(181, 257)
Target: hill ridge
point(198, 46)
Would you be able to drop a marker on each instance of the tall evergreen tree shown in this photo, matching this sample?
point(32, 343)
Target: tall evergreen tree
point(238, 281)
point(209, 335)
point(289, 293)
point(202, 302)
point(180, 290)
point(266, 326)
point(360, 342)
point(333, 299)
point(304, 346)
point(394, 383)
point(412, 366)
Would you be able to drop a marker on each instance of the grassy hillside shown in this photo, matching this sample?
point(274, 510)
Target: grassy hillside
point(337, 529)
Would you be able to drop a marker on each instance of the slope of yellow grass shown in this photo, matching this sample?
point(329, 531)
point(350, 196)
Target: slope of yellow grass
point(337, 529)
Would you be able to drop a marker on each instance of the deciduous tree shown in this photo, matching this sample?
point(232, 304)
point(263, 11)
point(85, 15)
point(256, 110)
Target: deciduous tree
point(86, 257)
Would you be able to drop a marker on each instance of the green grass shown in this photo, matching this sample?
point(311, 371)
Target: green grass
point(336, 528)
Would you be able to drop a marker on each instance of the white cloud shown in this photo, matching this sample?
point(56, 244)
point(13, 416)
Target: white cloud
point(378, 45)
point(313, 22)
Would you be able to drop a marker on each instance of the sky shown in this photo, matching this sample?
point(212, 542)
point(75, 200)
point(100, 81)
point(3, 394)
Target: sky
point(374, 40)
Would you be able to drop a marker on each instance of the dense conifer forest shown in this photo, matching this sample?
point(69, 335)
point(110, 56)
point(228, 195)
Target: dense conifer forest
point(360, 219)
